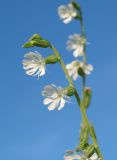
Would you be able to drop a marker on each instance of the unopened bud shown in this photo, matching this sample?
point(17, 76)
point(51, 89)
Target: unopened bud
point(37, 43)
point(87, 97)
point(51, 59)
point(35, 37)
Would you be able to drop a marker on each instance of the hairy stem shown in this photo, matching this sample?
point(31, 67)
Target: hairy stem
point(83, 111)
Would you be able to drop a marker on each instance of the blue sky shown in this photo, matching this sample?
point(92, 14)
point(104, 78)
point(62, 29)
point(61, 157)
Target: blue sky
point(27, 129)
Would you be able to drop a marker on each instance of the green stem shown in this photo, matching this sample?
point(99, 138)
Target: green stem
point(83, 110)
point(78, 100)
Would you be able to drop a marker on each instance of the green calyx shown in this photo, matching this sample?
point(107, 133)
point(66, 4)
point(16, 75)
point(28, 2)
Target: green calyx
point(75, 5)
point(83, 145)
point(90, 150)
point(70, 90)
point(37, 41)
point(51, 59)
point(87, 97)
point(81, 72)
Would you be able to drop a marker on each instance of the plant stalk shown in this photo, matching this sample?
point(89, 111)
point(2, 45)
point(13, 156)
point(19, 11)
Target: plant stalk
point(78, 100)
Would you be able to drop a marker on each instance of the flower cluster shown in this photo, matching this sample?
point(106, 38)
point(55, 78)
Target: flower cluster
point(55, 97)
point(35, 65)
point(76, 43)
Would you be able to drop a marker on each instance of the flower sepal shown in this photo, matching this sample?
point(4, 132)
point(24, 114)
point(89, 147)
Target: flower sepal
point(70, 90)
point(76, 5)
point(83, 145)
point(81, 72)
point(90, 150)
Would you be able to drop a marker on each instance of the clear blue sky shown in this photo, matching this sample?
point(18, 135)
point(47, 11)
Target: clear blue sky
point(28, 131)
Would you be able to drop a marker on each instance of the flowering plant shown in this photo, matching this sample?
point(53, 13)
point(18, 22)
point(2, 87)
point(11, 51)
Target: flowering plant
point(56, 97)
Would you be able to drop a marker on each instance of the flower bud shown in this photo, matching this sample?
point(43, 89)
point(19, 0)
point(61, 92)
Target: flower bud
point(51, 59)
point(37, 43)
point(70, 90)
point(89, 151)
point(35, 37)
point(87, 97)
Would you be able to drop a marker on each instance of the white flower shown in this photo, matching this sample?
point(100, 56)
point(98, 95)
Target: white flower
point(87, 68)
point(75, 156)
point(55, 97)
point(73, 69)
point(34, 64)
point(67, 13)
point(75, 65)
point(76, 43)
point(94, 157)
point(72, 157)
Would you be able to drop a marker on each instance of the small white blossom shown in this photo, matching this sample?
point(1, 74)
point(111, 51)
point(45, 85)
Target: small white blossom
point(55, 97)
point(73, 69)
point(34, 64)
point(94, 157)
point(72, 157)
point(76, 43)
point(67, 13)
point(75, 156)
point(75, 65)
point(87, 68)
